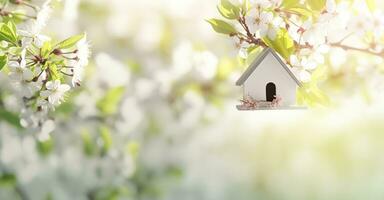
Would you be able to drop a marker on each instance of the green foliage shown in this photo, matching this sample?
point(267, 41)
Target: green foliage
point(54, 71)
point(88, 143)
point(221, 26)
point(16, 17)
point(133, 148)
point(290, 3)
point(3, 61)
point(316, 5)
point(109, 103)
point(301, 11)
point(245, 7)
point(106, 138)
point(371, 4)
point(7, 179)
point(46, 49)
point(228, 10)
point(283, 44)
point(8, 33)
point(10, 118)
point(310, 95)
point(70, 42)
point(45, 147)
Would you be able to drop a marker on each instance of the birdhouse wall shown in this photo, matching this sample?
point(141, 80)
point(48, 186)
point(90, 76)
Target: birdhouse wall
point(270, 70)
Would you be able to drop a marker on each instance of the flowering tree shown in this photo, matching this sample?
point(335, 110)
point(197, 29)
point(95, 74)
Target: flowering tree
point(38, 68)
point(303, 32)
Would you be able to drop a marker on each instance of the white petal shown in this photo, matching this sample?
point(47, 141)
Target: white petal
point(331, 6)
point(305, 76)
point(64, 88)
point(272, 33)
point(243, 53)
point(266, 17)
point(294, 61)
point(45, 93)
point(13, 65)
point(49, 85)
point(27, 74)
point(263, 30)
point(15, 76)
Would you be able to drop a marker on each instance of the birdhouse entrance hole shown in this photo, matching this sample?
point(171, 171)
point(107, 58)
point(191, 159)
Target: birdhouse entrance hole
point(271, 91)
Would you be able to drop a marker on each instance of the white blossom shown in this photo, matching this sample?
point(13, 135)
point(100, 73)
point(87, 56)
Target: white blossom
point(55, 92)
point(266, 24)
point(19, 71)
point(83, 51)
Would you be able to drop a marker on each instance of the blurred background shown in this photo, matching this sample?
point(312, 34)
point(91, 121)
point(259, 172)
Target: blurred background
point(155, 118)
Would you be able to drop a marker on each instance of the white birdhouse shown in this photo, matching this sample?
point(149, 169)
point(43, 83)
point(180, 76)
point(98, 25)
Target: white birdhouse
point(268, 83)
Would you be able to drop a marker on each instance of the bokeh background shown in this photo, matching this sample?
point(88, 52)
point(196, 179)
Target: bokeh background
point(155, 118)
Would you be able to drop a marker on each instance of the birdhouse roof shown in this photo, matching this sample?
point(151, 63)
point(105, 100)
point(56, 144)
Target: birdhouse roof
point(258, 61)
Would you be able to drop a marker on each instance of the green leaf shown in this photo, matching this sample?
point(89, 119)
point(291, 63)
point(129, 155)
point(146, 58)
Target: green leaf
point(70, 42)
point(54, 71)
point(221, 26)
point(46, 49)
point(301, 11)
point(45, 147)
point(316, 5)
point(88, 144)
point(245, 7)
point(109, 103)
point(283, 44)
point(3, 61)
point(8, 32)
point(9, 117)
point(290, 3)
point(371, 4)
point(106, 138)
point(7, 179)
point(228, 10)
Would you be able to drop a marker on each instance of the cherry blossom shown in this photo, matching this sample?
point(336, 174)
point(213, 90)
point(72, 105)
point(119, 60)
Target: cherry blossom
point(55, 92)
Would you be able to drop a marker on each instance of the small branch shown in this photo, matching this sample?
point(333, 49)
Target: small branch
point(251, 38)
point(368, 51)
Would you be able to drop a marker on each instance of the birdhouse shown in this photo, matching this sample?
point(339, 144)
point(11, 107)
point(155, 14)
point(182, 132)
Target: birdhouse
point(268, 83)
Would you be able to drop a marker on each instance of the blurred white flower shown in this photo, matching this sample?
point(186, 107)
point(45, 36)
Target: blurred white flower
point(19, 71)
point(42, 17)
point(83, 51)
point(360, 24)
point(46, 129)
point(205, 64)
point(114, 73)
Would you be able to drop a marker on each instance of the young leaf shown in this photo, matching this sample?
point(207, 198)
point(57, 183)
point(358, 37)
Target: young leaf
point(46, 49)
point(290, 3)
point(8, 33)
point(371, 4)
point(45, 147)
point(9, 117)
point(55, 74)
point(3, 61)
point(106, 137)
point(88, 143)
point(228, 10)
point(245, 7)
point(221, 26)
point(283, 44)
point(316, 5)
point(70, 42)
point(108, 105)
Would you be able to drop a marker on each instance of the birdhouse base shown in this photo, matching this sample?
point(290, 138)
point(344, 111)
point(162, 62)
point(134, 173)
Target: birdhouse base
point(245, 108)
